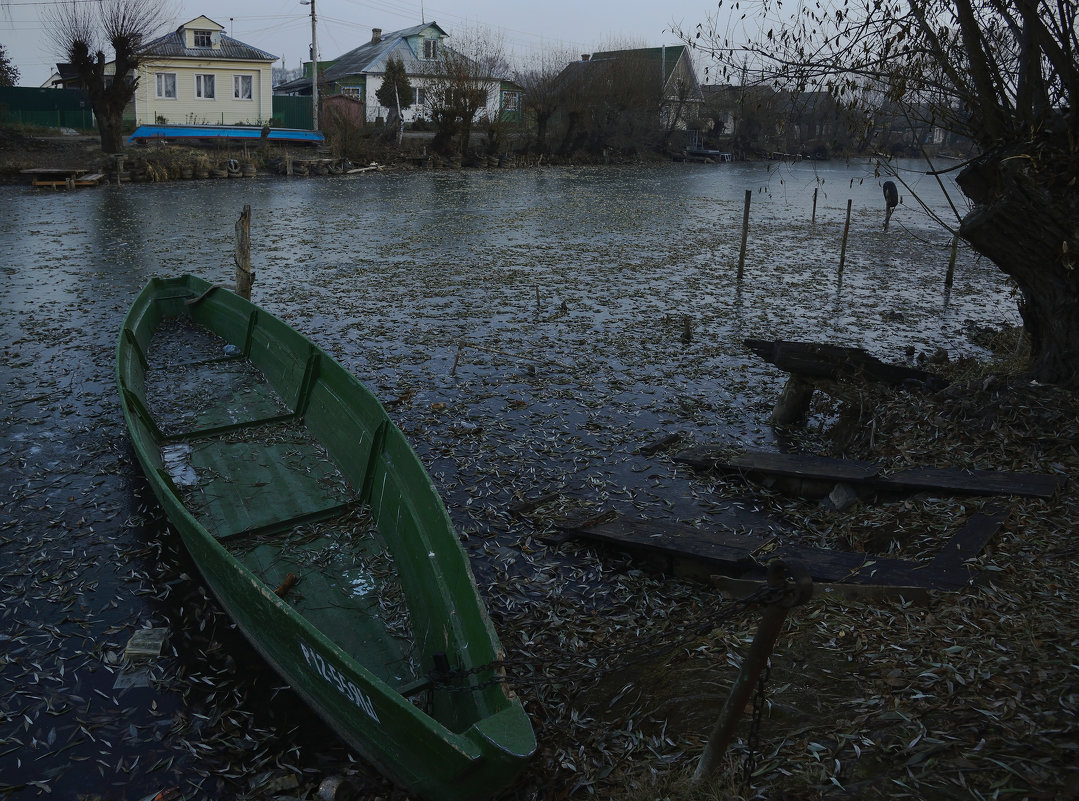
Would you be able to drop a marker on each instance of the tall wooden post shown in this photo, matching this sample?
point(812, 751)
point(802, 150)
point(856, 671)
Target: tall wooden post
point(245, 276)
point(814, 218)
point(891, 200)
point(768, 631)
point(843, 249)
point(745, 235)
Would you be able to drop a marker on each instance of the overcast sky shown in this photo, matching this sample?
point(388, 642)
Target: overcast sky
point(283, 27)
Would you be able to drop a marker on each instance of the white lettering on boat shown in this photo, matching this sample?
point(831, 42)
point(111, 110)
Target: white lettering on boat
point(334, 677)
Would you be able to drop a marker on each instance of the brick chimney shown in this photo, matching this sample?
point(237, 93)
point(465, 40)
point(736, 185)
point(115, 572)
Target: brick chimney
point(376, 35)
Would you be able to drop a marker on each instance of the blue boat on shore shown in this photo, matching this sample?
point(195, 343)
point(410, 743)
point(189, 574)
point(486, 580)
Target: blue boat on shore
point(215, 133)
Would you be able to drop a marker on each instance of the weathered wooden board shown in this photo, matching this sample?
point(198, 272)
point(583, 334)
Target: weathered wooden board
point(938, 479)
point(845, 567)
point(782, 464)
point(744, 555)
point(719, 548)
point(980, 528)
point(744, 585)
point(836, 362)
point(973, 482)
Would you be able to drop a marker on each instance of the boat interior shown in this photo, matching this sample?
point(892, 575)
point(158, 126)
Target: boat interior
point(305, 481)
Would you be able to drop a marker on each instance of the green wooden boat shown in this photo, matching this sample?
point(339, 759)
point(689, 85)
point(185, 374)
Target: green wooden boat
point(321, 534)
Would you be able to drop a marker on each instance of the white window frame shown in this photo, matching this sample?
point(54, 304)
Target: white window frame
point(159, 80)
point(420, 100)
point(355, 92)
point(510, 95)
point(200, 86)
point(237, 83)
point(207, 35)
point(433, 45)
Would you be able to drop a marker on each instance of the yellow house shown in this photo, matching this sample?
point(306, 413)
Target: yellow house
point(197, 75)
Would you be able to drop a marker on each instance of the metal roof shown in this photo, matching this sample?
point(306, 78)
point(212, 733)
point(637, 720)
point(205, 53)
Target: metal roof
point(171, 45)
point(371, 57)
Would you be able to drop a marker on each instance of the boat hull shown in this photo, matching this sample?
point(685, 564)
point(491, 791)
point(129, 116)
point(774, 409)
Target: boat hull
point(212, 133)
point(457, 742)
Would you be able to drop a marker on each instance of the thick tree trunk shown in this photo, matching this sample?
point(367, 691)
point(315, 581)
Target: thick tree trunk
point(1026, 220)
point(112, 133)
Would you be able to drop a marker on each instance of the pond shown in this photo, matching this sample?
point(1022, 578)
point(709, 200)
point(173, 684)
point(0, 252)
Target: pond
point(528, 329)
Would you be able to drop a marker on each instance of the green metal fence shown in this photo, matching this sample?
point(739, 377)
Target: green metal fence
point(46, 108)
point(292, 112)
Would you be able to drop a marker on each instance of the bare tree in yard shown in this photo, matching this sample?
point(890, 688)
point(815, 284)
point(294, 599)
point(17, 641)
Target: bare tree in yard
point(459, 84)
point(81, 31)
point(613, 101)
point(542, 93)
point(1004, 73)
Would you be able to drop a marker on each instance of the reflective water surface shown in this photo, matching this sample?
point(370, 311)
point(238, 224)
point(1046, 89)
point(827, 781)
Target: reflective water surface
point(527, 329)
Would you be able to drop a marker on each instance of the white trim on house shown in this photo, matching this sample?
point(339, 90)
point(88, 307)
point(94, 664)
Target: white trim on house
point(205, 86)
point(243, 87)
point(162, 86)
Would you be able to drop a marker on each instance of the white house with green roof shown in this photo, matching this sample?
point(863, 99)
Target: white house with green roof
point(358, 73)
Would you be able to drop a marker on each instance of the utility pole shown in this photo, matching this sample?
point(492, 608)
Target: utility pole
point(314, 66)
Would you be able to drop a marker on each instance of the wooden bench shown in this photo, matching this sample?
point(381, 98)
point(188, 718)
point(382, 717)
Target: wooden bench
point(834, 369)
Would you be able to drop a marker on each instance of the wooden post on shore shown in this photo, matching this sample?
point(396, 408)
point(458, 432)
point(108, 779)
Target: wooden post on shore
point(843, 249)
point(951, 262)
point(891, 200)
point(768, 631)
point(245, 276)
point(745, 235)
point(814, 218)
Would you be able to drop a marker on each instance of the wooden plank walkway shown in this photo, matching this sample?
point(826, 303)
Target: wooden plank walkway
point(744, 556)
point(938, 479)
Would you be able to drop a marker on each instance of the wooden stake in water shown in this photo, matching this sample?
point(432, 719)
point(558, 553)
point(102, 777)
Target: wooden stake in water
point(891, 200)
point(951, 262)
point(843, 249)
point(245, 276)
point(745, 235)
point(814, 219)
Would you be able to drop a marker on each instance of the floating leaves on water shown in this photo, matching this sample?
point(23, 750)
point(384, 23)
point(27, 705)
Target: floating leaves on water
point(969, 695)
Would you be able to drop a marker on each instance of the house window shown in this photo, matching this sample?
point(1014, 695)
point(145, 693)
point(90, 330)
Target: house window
point(430, 49)
point(204, 87)
point(203, 39)
point(355, 92)
point(242, 87)
point(510, 101)
point(421, 97)
point(165, 83)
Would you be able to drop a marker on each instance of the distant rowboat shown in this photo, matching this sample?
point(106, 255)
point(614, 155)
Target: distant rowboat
point(211, 133)
point(321, 534)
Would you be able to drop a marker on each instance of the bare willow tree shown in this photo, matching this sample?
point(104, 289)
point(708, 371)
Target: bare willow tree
point(542, 93)
point(460, 84)
point(613, 101)
point(82, 32)
point(1004, 73)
